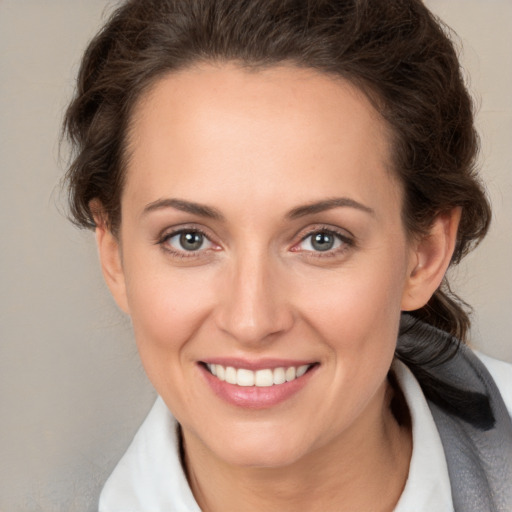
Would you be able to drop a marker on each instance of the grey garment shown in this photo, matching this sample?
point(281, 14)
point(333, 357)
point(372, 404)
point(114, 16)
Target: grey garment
point(469, 412)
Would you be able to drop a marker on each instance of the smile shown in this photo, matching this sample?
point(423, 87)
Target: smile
point(257, 384)
point(263, 378)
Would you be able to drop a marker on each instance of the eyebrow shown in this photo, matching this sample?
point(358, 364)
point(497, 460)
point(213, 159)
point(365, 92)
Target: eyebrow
point(184, 206)
point(298, 212)
point(328, 204)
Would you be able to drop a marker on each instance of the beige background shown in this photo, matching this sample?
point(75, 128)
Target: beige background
point(72, 391)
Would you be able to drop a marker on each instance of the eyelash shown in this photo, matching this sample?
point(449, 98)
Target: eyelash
point(164, 239)
point(346, 242)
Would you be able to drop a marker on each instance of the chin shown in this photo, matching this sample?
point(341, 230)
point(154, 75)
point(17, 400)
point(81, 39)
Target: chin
point(262, 451)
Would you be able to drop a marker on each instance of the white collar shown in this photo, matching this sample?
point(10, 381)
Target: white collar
point(149, 477)
point(428, 484)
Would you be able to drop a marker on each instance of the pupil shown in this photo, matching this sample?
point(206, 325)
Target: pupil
point(323, 241)
point(191, 241)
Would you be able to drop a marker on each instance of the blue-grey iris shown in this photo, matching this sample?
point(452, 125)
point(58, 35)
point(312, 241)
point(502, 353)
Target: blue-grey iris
point(322, 241)
point(191, 241)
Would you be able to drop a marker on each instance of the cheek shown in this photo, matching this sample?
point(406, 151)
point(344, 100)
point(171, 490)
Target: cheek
point(357, 296)
point(356, 311)
point(168, 308)
point(355, 316)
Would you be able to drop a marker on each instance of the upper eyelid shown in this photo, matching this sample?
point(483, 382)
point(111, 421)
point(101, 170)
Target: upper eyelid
point(171, 231)
point(326, 228)
point(330, 231)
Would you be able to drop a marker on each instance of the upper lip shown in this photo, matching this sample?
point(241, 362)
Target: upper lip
point(257, 364)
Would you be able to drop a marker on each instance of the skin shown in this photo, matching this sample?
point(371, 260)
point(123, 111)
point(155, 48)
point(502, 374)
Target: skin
point(256, 146)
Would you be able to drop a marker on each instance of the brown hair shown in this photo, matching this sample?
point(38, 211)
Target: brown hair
point(395, 50)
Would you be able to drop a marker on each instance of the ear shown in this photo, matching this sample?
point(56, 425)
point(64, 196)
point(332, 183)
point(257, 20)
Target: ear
point(109, 250)
point(429, 259)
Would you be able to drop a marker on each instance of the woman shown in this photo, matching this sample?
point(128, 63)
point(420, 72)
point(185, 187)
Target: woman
point(277, 189)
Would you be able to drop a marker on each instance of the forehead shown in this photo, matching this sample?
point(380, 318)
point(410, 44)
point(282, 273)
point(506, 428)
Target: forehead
point(222, 130)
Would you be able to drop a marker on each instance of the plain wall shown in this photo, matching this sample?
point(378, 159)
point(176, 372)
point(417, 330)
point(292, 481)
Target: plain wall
point(72, 391)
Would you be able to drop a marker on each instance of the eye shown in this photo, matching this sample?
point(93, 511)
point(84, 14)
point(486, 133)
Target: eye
point(187, 241)
point(323, 241)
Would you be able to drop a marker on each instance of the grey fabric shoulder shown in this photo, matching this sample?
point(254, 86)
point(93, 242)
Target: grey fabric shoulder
point(477, 441)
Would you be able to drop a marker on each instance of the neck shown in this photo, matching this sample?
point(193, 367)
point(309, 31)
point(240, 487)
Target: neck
point(364, 468)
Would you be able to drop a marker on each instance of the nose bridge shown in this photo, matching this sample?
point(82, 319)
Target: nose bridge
point(254, 305)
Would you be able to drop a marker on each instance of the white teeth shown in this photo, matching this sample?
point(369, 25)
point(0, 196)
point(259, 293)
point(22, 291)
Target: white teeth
point(290, 374)
point(244, 377)
point(264, 378)
point(220, 372)
point(279, 376)
point(259, 378)
point(301, 370)
point(230, 375)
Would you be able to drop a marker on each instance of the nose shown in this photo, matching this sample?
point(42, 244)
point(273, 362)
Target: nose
point(254, 306)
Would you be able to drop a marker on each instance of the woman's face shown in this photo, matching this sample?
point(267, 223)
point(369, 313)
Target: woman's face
point(261, 236)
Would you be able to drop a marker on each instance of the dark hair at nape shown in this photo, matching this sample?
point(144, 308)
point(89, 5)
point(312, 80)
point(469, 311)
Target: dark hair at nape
point(430, 355)
point(394, 50)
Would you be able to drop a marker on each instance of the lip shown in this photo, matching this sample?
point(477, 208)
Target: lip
point(259, 364)
point(254, 397)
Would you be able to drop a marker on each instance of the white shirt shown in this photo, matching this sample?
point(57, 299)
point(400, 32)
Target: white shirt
point(149, 477)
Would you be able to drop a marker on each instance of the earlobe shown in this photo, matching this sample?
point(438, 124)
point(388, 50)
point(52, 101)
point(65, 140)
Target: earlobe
point(111, 262)
point(429, 260)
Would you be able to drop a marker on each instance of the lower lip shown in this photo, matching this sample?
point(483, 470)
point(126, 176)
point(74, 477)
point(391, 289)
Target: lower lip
point(253, 397)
